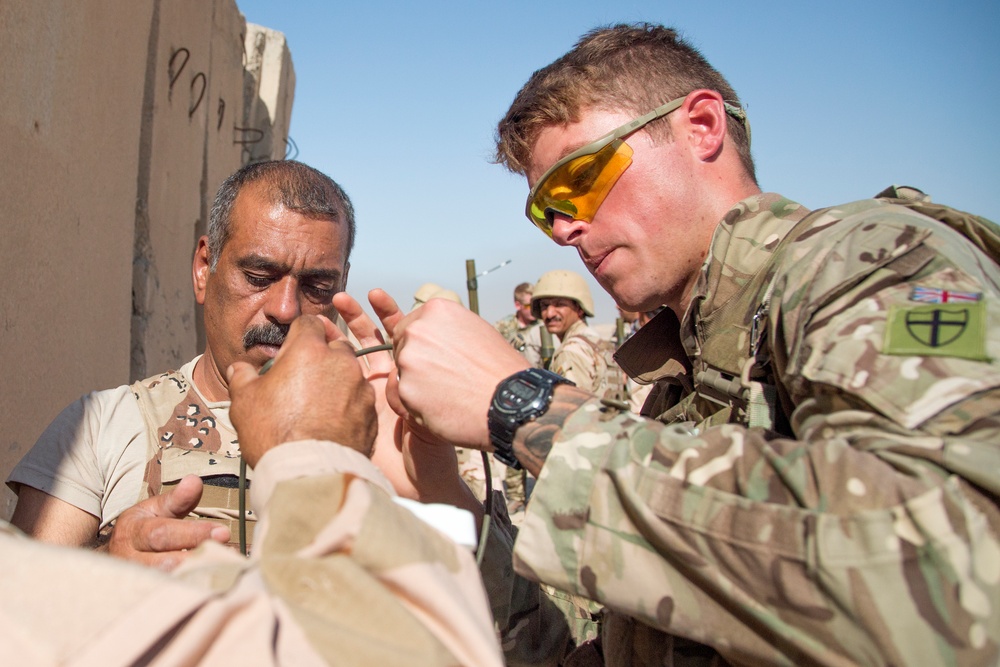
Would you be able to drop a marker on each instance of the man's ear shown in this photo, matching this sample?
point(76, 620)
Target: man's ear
point(343, 280)
point(200, 268)
point(705, 118)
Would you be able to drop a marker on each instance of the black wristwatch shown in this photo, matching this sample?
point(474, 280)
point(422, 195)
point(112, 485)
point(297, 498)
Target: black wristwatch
point(521, 398)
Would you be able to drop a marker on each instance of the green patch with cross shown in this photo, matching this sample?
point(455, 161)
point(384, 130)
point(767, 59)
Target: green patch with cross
point(937, 329)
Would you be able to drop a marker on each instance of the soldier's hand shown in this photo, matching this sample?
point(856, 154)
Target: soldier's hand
point(377, 367)
point(431, 467)
point(450, 361)
point(155, 533)
point(314, 391)
point(419, 468)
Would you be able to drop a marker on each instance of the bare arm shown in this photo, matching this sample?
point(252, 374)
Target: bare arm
point(52, 520)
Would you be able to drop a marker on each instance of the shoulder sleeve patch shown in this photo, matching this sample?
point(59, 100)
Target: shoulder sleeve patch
point(937, 329)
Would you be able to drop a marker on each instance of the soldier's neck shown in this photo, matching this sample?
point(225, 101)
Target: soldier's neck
point(209, 379)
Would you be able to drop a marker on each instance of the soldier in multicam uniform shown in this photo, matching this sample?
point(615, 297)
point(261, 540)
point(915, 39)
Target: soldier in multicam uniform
point(522, 328)
point(858, 523)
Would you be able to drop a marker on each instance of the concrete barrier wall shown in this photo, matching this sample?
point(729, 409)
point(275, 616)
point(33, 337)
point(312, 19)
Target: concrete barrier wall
point(118, 121)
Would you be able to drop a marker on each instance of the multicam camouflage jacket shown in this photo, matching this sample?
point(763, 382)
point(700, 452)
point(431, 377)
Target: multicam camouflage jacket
point(866, 529)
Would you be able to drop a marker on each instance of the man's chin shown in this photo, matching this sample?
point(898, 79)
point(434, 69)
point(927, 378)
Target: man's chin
point(625, 298)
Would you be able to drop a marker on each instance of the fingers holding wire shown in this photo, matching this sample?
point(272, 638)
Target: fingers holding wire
point(369, 336)
point(388, 311)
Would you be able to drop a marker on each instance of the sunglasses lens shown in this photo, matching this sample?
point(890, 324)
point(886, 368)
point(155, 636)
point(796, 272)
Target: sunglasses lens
point(578, 187)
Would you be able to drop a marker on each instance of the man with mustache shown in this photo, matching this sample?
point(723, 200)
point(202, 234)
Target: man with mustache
point(340, 572)
point(563, 302)
point(278, 244)
point(119, 461)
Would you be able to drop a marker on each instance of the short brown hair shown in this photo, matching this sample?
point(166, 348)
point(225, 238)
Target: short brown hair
point(630, 67)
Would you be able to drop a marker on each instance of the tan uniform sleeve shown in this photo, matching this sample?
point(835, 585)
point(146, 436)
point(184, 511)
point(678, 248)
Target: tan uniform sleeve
point(576, 361)
point(340, 569)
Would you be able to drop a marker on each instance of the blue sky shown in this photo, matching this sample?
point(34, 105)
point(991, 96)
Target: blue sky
point(398, 101)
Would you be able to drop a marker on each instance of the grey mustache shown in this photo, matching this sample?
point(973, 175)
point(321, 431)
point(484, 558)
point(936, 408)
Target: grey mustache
point(265, 334)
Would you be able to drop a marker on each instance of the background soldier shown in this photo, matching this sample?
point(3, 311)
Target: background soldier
point(521, 328)
point(639, 391)
point(429, 291)
point(563, 302)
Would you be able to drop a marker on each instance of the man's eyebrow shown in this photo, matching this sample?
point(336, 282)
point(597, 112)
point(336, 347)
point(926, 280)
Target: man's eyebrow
point(261, 263)
point(562, 154)
point(253, 261)
point(320, 274)
point(572, 148)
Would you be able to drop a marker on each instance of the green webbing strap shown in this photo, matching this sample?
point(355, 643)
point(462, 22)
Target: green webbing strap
point(243, 506)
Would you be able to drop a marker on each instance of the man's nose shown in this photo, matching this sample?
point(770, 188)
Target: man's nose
point(566, 230)
point(282, 305)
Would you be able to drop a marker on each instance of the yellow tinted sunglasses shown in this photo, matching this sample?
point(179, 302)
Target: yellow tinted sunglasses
point(577, 185)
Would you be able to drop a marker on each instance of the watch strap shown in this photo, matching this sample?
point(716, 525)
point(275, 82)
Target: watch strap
point(503, 423)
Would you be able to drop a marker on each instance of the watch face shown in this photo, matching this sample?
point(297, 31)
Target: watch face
point(516, 394)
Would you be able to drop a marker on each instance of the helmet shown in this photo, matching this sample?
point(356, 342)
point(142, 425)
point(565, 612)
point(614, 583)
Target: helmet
point(445, 293)
point(424, 292)
point(429, 291)
point(566, 284)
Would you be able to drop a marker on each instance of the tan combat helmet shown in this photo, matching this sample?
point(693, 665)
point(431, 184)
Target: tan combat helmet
point(429, 291)
point(566, 284)
point(445, 293)
point(424, 292)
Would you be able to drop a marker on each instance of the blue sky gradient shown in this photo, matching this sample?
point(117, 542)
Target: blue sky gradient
point(398, 101)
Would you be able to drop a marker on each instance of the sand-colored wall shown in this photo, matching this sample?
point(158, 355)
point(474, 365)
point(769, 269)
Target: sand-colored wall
point(118, 121)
